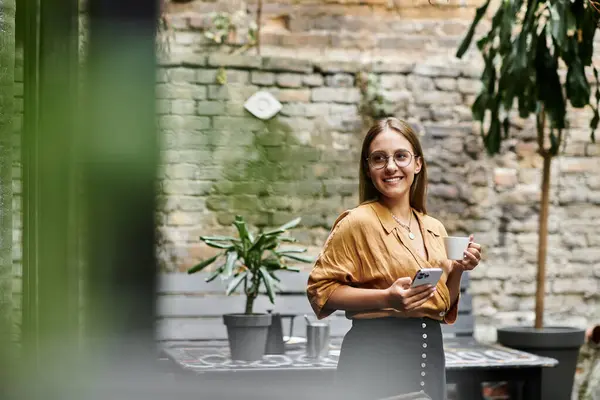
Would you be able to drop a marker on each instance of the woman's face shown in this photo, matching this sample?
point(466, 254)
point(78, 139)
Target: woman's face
point(392, 152)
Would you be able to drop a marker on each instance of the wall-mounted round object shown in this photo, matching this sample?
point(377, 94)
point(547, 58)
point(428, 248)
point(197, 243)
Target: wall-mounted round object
point(263, 105)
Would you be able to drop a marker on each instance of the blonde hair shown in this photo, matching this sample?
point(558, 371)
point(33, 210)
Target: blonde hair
point(418, 189)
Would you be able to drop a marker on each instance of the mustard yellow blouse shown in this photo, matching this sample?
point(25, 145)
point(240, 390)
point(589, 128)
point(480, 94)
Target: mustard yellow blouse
point(368, 249)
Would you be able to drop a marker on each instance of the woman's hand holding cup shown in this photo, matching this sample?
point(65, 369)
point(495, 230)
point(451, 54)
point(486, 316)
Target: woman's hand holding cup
point(470, 257)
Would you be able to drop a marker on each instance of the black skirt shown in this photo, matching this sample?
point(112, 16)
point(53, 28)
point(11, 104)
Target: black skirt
point(386, 357)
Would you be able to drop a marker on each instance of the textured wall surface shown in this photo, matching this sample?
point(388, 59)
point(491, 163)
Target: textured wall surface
point(220, 161)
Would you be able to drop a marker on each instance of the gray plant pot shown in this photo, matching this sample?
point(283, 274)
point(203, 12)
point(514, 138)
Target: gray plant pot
point(560, 343)
point(247, 335)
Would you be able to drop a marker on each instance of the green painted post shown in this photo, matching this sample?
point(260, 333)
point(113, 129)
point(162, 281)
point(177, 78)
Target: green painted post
point(7, 79)
point(49, 261)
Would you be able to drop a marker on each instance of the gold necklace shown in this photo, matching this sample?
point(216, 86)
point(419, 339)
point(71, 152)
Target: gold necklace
point(407, 227)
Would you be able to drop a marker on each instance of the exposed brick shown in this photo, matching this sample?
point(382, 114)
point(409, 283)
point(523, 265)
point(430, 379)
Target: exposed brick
point(437, 70)
point(336, 95)
point(183, 107)
point(193, 60)
point(182, 75)
point(210, 108)
point(393, 66)
point(237, 123)
point(262, 78)
point(206, 76)
point(505, 177)
point(286, 64)
point(469, 86)
point(445, 84)
point(289, 80)
point(395, 81)
point(177, 122)
point(305, 40)
point(436, 97)
point(332, 66)
point(239, 61)
point(313, 80)
point(180, 91)
point(293, 95)
point(163, 107)
point(340, 80)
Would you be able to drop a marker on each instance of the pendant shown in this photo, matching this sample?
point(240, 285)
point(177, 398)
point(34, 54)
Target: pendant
point(411, 235)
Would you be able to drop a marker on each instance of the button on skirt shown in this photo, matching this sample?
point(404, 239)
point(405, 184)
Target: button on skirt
point(385, 357)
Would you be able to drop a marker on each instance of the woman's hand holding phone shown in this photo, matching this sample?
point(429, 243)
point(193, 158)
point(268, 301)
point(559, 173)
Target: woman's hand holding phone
point(404, 298)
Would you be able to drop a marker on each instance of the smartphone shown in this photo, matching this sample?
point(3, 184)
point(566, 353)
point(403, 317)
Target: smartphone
point(427, 276)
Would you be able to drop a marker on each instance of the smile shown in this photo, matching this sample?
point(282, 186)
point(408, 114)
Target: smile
point(394, 179)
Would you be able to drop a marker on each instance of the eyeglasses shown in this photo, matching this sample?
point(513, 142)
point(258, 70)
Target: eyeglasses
point(379, 159)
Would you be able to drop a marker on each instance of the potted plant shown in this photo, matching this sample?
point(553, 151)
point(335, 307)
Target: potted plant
point(252, 263)
point(526, 46)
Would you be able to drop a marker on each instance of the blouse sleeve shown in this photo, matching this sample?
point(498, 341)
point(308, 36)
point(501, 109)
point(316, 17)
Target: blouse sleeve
point(337, 265)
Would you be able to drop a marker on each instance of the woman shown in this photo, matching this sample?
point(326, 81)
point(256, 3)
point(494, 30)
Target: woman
point(366, 269)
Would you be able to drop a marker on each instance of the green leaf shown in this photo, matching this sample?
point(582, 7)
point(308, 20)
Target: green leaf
point(287, 226)
point(553, 143)
point(235, 282)
point(558, 21)
point(203, 264)
point(268, 280)
point(219, 238)
point(288, 240)
point(299, 258)
point(232, 257)
point(243, 232)
point(492, 139)
point(218, 245)
point(479, 13)
point(578, 87)
point(214, 274)
point(288, 251)
point(506, 127)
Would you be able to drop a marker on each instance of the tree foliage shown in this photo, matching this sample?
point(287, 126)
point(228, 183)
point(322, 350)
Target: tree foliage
point(528, 44)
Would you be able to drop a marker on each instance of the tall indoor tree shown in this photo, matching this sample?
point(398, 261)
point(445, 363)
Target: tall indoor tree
point(528, 44)
point(538, 60)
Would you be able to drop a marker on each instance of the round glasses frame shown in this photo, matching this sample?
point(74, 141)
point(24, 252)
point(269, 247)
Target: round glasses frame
point(387, 159)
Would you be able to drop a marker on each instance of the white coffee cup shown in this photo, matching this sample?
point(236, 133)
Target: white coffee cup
point(456, 246)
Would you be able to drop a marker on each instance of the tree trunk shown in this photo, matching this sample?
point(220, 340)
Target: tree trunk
point(249, 304)
point(7, 79)
point(542, 243)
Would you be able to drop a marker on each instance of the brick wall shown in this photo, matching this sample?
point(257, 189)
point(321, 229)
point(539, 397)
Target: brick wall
point(219, 161)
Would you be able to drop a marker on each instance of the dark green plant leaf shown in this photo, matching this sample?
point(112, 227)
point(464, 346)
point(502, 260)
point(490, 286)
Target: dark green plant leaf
point(214, 274)
point(578, 87)
point(554, 145)
point(268, 281)
point(492, 139)
point(479, 13)
point(203, 264)
point(558, 21)
point(505, 127)
point(588, 27)
point(594, 124)
point(235, 282)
